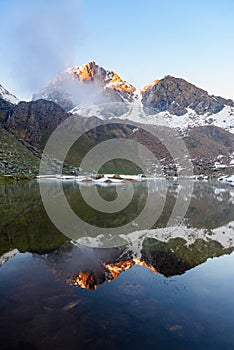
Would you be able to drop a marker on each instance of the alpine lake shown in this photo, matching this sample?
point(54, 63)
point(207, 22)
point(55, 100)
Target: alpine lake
point(160, 288)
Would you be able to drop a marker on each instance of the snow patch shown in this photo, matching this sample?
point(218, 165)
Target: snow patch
point(107, 179)
point(224, 235)
point(8, 256)
point(228, 179)
point(5, 95)
point(224, 119)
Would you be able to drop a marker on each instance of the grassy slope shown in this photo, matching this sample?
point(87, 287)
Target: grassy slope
point(15, 157)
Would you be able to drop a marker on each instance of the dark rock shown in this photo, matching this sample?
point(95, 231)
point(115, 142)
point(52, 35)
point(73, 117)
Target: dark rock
point(5, 108)
point(35, 121)
point(175, 95)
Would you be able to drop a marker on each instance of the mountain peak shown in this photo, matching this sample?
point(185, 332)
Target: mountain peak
point(86, 84)
point(88, 72)
point(176, 95)
point(7, 96)
point(148, 86)
point(91, 84)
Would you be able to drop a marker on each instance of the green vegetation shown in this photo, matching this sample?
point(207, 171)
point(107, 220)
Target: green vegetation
point(99, 134)
point(15, 158)
point(24, 223)
point(120, 166)
point(13, 178)
point(177, 256)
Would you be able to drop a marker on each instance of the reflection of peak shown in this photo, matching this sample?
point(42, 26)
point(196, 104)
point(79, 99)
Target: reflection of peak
point(168, 251)
point(85, 280)
point(5, 257)
point(145, 264)
point(116, 268)
point(90, 280)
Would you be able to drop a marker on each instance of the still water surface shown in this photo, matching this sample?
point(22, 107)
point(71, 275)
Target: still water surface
point(167, 289)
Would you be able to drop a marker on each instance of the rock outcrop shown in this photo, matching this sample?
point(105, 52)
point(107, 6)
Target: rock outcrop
point(176, 95)
point(35, 121)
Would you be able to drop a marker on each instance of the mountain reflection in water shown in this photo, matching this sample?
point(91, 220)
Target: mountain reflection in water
point(160, 287)
point(207, 232)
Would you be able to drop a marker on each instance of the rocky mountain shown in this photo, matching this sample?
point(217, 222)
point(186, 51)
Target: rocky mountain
point(91, 93)
point(34, 121)
point(176, 96)
point(31, 123)
point(90, 84)
point(24, 130)
point(16, 155)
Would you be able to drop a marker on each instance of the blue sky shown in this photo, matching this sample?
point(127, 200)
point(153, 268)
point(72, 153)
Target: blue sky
point(140, 40)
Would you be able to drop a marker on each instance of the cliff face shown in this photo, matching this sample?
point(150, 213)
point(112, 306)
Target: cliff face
point(24, 129)
point(34, 121)
point(5, 108)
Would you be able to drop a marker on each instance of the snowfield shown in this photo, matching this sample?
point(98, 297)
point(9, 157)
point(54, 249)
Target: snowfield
point(228, 179)
point(135, 112)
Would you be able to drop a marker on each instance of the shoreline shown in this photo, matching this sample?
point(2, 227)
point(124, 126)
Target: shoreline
point(111, 179)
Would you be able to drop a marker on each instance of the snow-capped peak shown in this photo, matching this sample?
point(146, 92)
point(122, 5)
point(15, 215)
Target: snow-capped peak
point(7, 96)
point(85, 85)
point(92, 72)
point(117, 83)
point(84, 73)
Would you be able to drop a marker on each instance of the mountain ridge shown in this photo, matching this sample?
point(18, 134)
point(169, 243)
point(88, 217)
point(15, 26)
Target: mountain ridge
point(169, 93)
point(205, 122)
